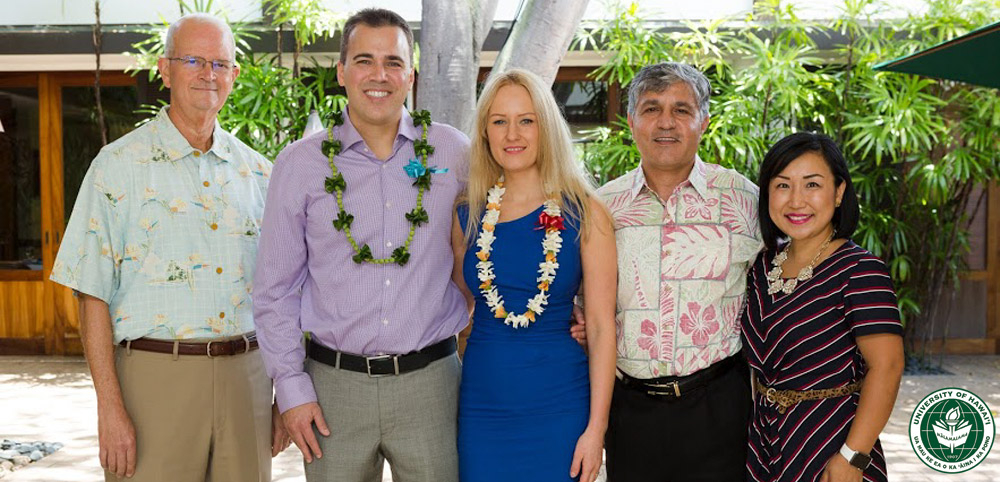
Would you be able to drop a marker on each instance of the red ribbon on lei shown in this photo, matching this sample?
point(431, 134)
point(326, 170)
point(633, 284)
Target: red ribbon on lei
point(547, 222)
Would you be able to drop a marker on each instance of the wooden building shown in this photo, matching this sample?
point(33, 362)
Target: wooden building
point(50, 136)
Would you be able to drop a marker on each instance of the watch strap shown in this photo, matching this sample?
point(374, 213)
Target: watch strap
point(855, 458)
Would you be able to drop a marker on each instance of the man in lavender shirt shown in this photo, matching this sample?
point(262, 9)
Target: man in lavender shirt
point(380, 377)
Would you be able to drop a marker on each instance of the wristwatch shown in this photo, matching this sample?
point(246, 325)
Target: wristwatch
point(857, 459)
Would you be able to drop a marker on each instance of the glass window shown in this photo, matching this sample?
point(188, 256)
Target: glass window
point(20, 181)
point(584, 103)
point(82, 134)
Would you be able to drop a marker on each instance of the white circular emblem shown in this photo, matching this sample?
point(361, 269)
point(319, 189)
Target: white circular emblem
point(952, 430)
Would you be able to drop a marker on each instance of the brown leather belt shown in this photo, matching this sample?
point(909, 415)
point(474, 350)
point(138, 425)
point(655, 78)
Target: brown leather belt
point(786, 398)
point(210, 349)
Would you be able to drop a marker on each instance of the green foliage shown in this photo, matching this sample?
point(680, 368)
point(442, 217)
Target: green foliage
point(309, 19)
point(918, 147)
point(269, 105)
point(268, 108)
point(148, 50)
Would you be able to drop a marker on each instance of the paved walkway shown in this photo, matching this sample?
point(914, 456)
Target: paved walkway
point(52, 399)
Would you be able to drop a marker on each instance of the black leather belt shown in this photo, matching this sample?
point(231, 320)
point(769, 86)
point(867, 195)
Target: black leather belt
point(376, 366)
point(675, 387)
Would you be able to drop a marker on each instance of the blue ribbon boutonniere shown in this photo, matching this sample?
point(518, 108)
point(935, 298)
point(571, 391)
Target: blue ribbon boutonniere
point(415, 169)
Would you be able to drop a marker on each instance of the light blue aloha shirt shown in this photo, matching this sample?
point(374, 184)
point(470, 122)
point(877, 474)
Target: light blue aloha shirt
point(167, 235)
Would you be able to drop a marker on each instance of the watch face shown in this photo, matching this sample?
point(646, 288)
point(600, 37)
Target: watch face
point(861, 461)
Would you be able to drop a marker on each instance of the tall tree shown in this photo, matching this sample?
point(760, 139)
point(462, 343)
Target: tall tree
point(451, 39)
point(540, 36)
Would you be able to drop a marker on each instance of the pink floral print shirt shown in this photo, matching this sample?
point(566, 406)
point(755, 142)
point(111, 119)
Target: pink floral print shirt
point(682, 265)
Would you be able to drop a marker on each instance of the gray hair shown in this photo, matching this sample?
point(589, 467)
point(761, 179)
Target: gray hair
point(658, 77)
point(168, 48)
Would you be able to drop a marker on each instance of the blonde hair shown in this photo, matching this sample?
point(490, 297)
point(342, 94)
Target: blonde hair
point(562, 177)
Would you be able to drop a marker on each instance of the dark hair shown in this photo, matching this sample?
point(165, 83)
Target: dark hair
point(781, 154)
point(374, 17)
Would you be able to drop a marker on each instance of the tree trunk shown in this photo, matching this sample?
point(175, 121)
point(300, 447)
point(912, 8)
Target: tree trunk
point(97, 73)
point(540, 37)
point(451, 37)
point(281, 31)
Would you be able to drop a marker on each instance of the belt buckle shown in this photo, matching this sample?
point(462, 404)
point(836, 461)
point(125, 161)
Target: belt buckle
point(208, 349)
point(395, 364)
point(769, 395)
point(676, 386)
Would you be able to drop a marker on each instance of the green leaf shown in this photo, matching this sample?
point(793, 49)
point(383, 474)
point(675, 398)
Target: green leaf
point(363, 254)
point(331, 148)
point(417, 216)
point(343, 221)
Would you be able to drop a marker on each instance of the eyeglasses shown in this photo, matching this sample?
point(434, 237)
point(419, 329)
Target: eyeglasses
point(191, 62)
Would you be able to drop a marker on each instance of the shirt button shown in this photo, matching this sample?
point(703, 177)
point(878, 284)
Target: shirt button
point(383, 166)
point(214, 226)
point(385, 322)
point(222, 314)
point(387, 282)
point(218, 270)
point(197, 154)
point(388, 204)
point(206, 184)
point(388, 244)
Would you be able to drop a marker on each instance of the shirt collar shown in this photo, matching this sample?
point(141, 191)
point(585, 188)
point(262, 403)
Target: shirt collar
point(349, 135)
point(697, 178)
point(176, 146)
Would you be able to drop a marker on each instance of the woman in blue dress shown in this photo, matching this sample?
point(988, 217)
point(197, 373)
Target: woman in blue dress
point(532, 405)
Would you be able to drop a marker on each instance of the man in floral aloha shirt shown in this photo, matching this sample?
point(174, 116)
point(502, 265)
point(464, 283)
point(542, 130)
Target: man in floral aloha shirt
point(161, 248)
point(686, 231)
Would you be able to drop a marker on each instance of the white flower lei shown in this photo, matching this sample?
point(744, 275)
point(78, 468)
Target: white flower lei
point(551, 245)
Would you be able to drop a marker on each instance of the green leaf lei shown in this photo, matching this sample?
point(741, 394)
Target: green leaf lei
point(335, 184)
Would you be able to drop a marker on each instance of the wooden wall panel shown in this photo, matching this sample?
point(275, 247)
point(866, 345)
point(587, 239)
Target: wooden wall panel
point(21, 309)
point(993, 265)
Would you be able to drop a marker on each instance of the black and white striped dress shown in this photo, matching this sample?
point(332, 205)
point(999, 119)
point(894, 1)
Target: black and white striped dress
point(806, 341)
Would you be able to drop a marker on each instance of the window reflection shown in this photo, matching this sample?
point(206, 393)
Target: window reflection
point(584, 104)
point(20, 188)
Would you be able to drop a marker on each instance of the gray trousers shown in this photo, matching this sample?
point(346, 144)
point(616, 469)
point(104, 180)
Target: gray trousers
point(409, 419)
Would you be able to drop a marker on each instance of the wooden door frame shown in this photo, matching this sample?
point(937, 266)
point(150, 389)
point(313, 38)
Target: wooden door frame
point(993, 267)
point(50, 145)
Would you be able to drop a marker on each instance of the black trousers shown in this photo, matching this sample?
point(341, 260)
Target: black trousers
point(701, 436)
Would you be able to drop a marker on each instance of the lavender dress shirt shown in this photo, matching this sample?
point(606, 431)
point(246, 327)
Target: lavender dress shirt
point(306, 280)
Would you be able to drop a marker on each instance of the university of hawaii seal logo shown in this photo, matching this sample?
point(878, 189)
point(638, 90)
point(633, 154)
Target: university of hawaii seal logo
point(952, 430)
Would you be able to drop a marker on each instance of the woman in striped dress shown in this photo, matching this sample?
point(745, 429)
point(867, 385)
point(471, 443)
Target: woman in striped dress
point(821, 328)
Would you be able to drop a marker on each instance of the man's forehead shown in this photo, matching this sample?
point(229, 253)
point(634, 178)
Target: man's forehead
point(371, 41)
point(202, 38)
point(676, 93)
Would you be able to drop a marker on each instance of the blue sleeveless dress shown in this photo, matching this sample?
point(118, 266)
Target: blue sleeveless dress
point(525, 394)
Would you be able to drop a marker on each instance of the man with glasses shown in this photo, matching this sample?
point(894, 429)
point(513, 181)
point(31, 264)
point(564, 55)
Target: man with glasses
point(161, 248)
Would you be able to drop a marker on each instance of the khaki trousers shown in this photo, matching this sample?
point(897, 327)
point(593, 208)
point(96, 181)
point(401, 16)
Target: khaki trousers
point(197, 418)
